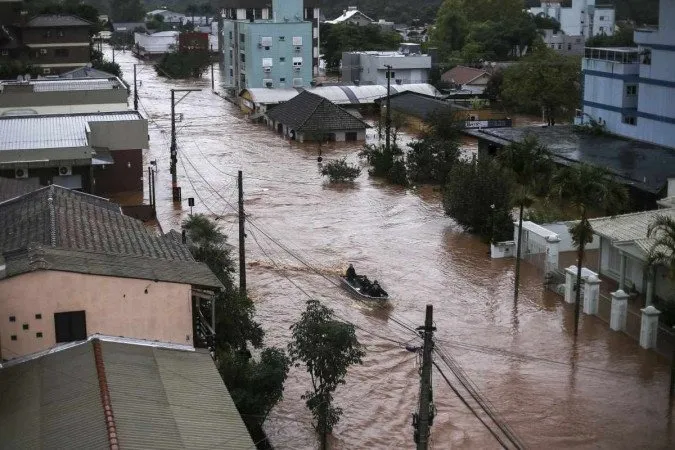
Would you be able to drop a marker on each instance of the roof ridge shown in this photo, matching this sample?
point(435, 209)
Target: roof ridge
point(105, 395)
point(52, 216)
point(636, 213)
point(314, 110)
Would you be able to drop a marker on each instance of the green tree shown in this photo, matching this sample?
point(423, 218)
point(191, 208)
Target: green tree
point(530, 166)
point(543, 81)
point(386, 163)
point(431, 159)
point(339, 171)
point(328, 348)
point(346, 37)
point(183, 64)
point(662, 250)
point(477, 195)
point(586, 187)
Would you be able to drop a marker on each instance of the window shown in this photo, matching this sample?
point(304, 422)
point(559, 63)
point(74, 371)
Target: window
point(569, 46)
point(281, 80)
point(231, 73)
point(297, 61)
point(242, 78)
point(38, 334)
point(242, 57)
point(46, 71)
point(629, 120)
point(267, 62)
point(62, 52)
point(390, 74)
point(350, 136)
point(282, 38)
point(647, 57)
point(25, 326)
point(602, 17)
point(13, 337)
point(12, 318)
point(559, 46)
point(60, 34)
point(70, 326)
point(230, 35)
point(602, 29)
point(242, 38)
point(631, 89)
point(38, 316)
point(43, 51)
point(282, 59)
point(231, 55)
point(297, 40)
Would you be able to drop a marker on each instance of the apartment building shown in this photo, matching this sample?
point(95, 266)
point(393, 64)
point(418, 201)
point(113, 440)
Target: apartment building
point(583, 18)
point(408, 66)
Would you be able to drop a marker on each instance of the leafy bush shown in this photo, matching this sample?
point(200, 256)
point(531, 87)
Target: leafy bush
point(107, 66)
point(183, 65)
point(338, 171)
point(13, 69)
point(385, 163)
point(430, 160)
point(477, 196)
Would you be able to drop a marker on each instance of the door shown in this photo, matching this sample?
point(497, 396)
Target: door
point(70, 326)
point(350, 136)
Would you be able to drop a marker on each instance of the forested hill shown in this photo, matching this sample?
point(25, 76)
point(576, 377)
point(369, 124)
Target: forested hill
point(399, 11)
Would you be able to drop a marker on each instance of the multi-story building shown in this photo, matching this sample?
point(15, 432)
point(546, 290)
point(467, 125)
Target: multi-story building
point(564, 43)
point(583, 18)
point(353, 16)
point(262, 11)
point(407, 65)
point(271, 51)
point(57, 43)
point(631, 90)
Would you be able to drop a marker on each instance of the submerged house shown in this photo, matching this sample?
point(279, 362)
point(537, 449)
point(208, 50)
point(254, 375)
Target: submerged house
point(310, 117)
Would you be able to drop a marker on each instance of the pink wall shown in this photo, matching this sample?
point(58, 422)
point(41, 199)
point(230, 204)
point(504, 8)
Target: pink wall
point(113, 306)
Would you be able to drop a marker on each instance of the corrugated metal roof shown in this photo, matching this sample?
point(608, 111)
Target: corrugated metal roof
point(58, 131)
point(53, 402)
point(57, 20)
point(84, 84)
point(161, 398)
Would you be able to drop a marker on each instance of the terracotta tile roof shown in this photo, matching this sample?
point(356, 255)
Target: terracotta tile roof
point(161, 396)
point(462, 75)
point(59, 229)
point(310, 112)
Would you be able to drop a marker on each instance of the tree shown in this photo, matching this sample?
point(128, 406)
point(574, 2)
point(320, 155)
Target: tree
point(328, 348)
point(586, 187)
point(338, 171)
point(431, 159)
point(478, 196)
point(126, 11)
point(543, 81)
point(662, 251)
point(183, 64)
point(346, 37)
point(531, 166)
point(386, 163)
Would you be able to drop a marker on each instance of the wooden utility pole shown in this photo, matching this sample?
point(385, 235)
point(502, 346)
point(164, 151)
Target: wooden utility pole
point(135, 90)
point(242, 237)
point(422, 421)
point(388, 119)
point(175, 189)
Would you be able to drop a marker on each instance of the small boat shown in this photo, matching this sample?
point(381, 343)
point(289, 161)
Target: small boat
point(354, 286)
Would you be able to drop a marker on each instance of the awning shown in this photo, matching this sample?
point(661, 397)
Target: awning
point(68, 181)
point(101, 158)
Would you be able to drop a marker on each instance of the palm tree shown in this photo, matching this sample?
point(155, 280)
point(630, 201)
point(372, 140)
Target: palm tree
point(531, 166)
point(585, 187)
point(662, 251)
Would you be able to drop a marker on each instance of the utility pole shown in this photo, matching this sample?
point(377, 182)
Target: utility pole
point(672, 374)
point(242, 236)
point(423, 420)
point(388, 119)
point(213, 85)
point(135, 90)
point(175, 189)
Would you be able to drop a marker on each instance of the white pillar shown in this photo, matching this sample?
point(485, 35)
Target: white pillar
point(649, 327)
point(622, 272)
point(591, 295)
point(649, 293)
point(570, 284)
point(619, 311)
point(552, 251)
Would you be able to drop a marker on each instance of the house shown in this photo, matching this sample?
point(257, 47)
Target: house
point(370, 67)
point(110, 392)
point(642, 167)
point(353, 16)
point(86, 72)
point(73, 265)
point(419, 108)
point(259, 100)
point(385, 25)
point(582, 18)
point(624, 247)
point(563, 43)
point(63, 95)
point(630, 90)
point(253, 11)
point(309, 117)
point(467, 79)
point(193, 42)
point(57, 43)
point(156, 44)
point(99, 153)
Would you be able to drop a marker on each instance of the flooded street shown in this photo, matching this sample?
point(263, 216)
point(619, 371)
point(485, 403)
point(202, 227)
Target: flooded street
point(605, 393)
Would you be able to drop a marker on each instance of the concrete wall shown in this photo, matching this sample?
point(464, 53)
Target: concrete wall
point(65, 102)
point(114, 306)
point(125, 175)
point(563, 232)
point(119, 135)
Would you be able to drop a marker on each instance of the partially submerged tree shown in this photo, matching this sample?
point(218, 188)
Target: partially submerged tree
point(530, 166)
point(586, 187)
point(339, 171)
point(328, 348)
point(662, 251)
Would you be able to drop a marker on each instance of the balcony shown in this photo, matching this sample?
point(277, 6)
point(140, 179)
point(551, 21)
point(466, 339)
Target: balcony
point(621, 55)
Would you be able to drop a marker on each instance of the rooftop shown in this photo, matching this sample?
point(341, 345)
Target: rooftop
point(54, 228)
point(67, 84)
point(414, 104)
point(462, 75)
point(86, 72)
point(57, 20)
point(160, 397)
point(348, 14)
point(630, 228)
point(11, 188)
point(54, 131)
point(643, 166)
point(310, 112)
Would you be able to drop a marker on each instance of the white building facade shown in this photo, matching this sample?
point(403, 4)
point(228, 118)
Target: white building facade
point(583, 18)
point(632, 90)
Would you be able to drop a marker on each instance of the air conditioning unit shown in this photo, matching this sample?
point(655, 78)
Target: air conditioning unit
point(267, 69)
point(398, 81)
point(298, 48)
point(297, 68)
point(259, 45)
point(65, 170)
point(21, 173)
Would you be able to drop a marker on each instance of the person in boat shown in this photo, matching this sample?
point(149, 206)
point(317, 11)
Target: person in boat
point(351, 273)
point(376, 290)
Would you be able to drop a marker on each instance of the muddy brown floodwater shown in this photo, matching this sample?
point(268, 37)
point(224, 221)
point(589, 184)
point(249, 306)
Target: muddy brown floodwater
point(608, 393)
